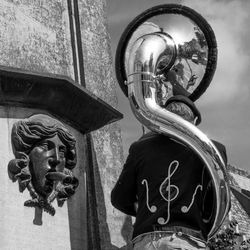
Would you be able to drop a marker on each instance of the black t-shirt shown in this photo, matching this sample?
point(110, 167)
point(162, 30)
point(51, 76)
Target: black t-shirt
point(168, 181)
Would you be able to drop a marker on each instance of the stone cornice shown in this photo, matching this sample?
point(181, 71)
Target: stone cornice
point(59, 95)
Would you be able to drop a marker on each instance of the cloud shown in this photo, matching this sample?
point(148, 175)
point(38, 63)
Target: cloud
point(125, 11)
point(225, 105)
point(230, 21)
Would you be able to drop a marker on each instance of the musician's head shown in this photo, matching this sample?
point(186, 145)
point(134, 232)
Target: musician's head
point(183, 107)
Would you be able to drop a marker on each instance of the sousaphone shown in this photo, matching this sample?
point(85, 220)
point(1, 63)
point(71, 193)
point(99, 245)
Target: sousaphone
point(165, 51)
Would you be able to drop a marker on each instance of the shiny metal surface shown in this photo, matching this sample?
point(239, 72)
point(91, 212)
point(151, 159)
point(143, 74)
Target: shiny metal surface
point(182, 68)
point(145, 106)
point(167, 55)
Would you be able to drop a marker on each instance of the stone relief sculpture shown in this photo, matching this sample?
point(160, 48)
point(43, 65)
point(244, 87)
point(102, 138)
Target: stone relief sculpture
point(45, 155)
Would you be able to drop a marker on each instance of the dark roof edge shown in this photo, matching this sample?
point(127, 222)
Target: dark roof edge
point(243, 199)
point(59, 95)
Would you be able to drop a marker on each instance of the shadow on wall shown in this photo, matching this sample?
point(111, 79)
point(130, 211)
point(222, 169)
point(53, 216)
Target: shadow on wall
point(126, 233)
point(99, 237)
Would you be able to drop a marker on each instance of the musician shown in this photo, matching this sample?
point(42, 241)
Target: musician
point(170, 186)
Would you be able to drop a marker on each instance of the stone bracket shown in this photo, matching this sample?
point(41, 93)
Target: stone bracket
point(59, 95)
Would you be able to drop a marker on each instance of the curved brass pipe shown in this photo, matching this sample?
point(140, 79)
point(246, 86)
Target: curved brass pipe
point(143, 84)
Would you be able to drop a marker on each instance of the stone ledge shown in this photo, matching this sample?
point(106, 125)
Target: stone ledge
point(238, 171)
point(59, 95)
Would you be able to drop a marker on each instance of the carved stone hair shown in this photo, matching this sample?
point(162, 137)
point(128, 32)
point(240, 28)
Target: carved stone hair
point(24, 137)
point(26, 134)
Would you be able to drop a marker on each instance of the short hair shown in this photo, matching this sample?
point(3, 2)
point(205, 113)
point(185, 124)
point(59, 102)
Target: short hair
point(181, 109)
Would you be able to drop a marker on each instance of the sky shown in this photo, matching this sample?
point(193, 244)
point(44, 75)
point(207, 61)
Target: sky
point(225, 106)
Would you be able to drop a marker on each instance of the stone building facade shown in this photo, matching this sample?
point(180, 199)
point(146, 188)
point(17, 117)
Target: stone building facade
point(240, 190)
point(62, 41)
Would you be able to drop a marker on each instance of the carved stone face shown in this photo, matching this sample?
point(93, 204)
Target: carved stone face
point(47, 156)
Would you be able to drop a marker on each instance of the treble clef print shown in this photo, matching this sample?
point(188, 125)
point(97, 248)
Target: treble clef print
point(168, 191)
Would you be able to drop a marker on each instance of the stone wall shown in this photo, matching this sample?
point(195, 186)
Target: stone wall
point(35, 36)
point(115, 228)
point(240, 179)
